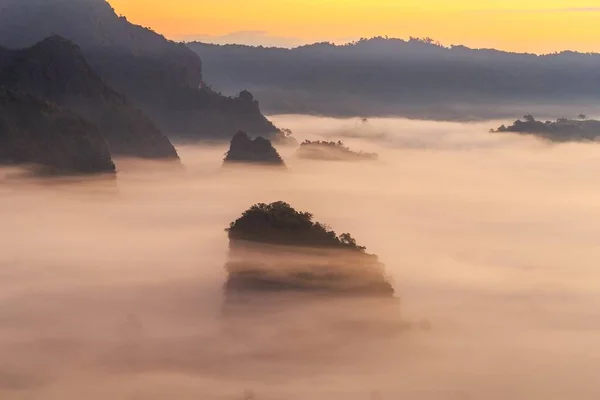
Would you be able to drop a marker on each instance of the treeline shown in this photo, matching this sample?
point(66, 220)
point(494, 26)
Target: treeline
point(279, 223)
point(392, 76)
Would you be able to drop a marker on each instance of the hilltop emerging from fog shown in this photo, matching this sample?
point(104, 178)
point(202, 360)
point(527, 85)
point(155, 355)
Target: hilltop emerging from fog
point(273, 247)
point(331, 151)
point(561, 130)
point(260, 151)
point(413, 78)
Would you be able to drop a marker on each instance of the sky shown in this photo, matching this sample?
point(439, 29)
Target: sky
point(538, 26)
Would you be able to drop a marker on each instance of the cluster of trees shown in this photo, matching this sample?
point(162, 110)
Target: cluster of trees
point(275, 248)
point(561, 130)
point(279, 223)
point(339, 144)
point(326, 150)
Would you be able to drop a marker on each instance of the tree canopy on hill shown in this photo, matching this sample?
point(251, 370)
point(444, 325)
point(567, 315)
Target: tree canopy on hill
point(561, 130)
point(279, 223)
point(323, 150)
point(338, 144)
point(275, 248)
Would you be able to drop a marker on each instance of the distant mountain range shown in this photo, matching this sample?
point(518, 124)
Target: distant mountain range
point(415, 78)
point(161, 77)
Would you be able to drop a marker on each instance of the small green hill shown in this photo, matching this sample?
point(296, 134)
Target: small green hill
point(279, 223)
point(273, 247)
point(332, 151)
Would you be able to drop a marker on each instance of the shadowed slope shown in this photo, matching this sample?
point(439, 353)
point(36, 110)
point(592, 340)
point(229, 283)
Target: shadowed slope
point(55, 70)
point(38, 133)
point(162, 77)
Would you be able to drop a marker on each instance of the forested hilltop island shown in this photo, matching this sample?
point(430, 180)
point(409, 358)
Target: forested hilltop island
point(258, 151)
point(163, 78)
point(55, 70)
point(416, 78)
point(561, 130)
point(332, 151)
point(51, 139)
point(275, 248)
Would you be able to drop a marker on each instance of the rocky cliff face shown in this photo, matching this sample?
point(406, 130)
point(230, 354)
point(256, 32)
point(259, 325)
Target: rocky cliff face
point(163, 78)
point(33, 132)
point(55, 70)
point(258, 151)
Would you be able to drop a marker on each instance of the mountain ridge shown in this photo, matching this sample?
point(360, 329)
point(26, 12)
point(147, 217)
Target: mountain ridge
point(413, 40)
point(393, 77)
point(54, 70)
point(162, 77)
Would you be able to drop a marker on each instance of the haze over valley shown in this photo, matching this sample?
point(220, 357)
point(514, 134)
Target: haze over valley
point(386, 219)
point(488, 238)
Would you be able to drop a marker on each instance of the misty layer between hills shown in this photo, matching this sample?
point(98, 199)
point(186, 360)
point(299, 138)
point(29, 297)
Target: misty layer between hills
point(115, 289)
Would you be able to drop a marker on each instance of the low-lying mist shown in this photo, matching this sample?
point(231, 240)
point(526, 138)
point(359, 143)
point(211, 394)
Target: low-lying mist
point(113, 289)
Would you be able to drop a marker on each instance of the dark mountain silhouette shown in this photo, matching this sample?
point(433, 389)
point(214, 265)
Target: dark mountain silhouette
point(415, 78)
point(163, 78)
point(55, 70)
point(561, 130)
point(275, 248)
point(259, 151)
point(33, 132)
point(331, 151)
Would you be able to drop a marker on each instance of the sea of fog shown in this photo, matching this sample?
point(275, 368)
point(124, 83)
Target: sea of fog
point(113, 289)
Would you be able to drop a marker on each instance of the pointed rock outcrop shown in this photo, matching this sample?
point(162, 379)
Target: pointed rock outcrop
point(259, 151)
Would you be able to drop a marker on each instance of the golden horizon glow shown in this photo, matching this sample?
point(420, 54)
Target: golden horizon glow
point(539, 26)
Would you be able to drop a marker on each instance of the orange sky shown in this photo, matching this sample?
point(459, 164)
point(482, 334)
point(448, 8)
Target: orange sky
point(525, 25)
